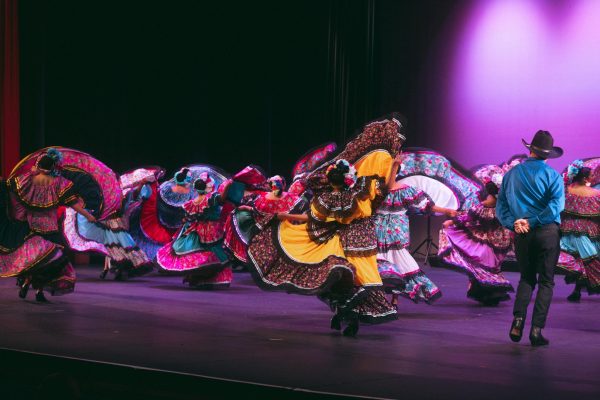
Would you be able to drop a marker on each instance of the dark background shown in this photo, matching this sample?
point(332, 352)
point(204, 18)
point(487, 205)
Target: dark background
point(226, 83)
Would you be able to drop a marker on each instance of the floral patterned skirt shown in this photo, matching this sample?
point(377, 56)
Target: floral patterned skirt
point(580, 259)
point(284, 258)
point(239, 229)
point(457, 250)
point(43, 262)
point(402, 276)
point(200, 263)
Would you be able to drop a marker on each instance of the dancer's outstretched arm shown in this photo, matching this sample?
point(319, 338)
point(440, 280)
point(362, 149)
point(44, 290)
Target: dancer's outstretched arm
point(292, 217)
point(79, 208)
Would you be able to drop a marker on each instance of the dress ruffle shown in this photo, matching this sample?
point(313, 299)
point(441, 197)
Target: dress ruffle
point(580, 241)
point(42, 197)
point(149, 222)
point(343, 204)
point(274, 270)
point(480, 262)
point(481, 225)
point(197, 251)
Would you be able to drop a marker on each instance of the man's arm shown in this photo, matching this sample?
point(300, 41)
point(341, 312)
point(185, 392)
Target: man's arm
point(555, 205)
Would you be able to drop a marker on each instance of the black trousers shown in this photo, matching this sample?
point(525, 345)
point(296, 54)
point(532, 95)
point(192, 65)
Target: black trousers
point(537, 254)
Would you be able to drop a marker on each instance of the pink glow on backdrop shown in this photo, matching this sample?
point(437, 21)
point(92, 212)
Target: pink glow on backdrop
point(518, 66)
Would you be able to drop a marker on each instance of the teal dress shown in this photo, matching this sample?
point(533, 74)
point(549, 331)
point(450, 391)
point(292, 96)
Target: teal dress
point(580, 241)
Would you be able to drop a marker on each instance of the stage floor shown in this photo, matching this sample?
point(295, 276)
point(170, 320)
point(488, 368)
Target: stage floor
point(453, 349)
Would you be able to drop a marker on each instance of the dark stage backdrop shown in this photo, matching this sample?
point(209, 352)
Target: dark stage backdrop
point(226, 83)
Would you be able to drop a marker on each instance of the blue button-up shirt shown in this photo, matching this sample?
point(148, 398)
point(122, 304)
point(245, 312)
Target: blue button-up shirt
point(531, 190)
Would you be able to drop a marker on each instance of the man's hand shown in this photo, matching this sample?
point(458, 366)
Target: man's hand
point(521, 226)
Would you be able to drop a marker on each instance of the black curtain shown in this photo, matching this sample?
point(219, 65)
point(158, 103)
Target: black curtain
point(351, 69)
point(226, 83)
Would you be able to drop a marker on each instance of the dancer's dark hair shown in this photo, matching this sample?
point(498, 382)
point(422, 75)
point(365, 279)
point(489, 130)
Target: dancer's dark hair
point(199, 184)
point(46, 163)
point(491, 188)
point(181, 175)
point(582, 175)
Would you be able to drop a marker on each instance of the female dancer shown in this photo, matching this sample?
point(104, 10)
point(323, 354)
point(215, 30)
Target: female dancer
point(31, 258)
point(198, 251)
point(35, 197)
point(254, 214)
point(172, 195)
point(124, 258)
point(399, 271)
point(580, 227)
point(333, 254)
point(474, 242)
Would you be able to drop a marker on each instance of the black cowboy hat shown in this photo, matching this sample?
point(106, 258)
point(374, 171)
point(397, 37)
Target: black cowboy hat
point(543, 145)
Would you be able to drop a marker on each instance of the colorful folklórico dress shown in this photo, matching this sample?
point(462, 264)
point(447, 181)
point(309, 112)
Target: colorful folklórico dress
point(580, 241)
point(334, 254)
point(398, 269)
point(145, 225)
point(160, 215)
point(477, 244)
point(170, 204)
point(113, 233)
point(197, 250)
point(255, 214)
point(38, 254)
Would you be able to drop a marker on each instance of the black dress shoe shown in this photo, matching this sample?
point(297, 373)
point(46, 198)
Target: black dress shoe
point(336, 322)
point(352, 329)
point(103, 274)
point(574, 297)
point(23, 291)
point(40, 298)
point(536, 338)
point(516, 329)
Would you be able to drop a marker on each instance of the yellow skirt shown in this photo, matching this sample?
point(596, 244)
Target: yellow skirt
point(296, 243)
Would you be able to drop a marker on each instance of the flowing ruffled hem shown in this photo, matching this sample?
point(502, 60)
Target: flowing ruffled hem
point(415, 285)
point(74, 239)
point(234, 243)
point(405, 197)
point(272, 269)
point(453, 258)
point(332, 280)
point(374, 308)
point(149, 221)
point(585, 274)
point(34, 252)
point(133, 260)
point(571, 265)
point(170, 262)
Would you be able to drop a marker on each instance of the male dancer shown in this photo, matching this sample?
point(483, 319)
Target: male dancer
point(530, 201)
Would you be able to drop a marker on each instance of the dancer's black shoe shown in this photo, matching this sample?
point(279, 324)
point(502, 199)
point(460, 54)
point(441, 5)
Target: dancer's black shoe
point(352, 329)
point(536, 338)
point(40, 298)
point(103, 273)
point(23, 291)
point(336, 322)
point(516, 329)
point(574, 297)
